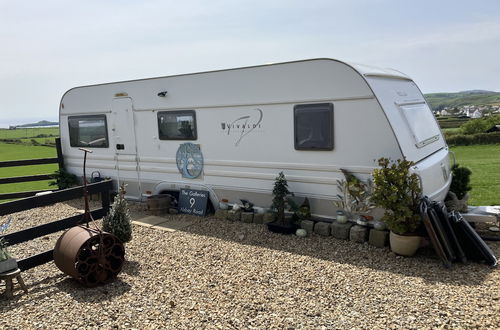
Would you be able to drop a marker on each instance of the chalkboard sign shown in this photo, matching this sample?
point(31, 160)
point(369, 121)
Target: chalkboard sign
point(193, 202)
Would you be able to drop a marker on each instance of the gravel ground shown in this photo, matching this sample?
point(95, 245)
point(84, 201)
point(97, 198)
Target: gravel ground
point(219, 274)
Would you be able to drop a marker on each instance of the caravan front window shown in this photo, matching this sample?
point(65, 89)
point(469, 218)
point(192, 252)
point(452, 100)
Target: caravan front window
point(177, 125)
point(421, 122)
point(88, 131)
point(313, 124)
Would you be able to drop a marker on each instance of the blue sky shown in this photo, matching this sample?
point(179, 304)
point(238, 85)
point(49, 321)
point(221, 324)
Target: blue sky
point(48, 47)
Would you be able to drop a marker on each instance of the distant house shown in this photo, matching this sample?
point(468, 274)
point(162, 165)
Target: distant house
point(495, 128)
point(476, 114)
point(12, 127)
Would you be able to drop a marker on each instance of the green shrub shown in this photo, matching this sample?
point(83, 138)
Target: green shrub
point(63, 179)
point(398, 192)
point(480, 125)
point(118, 221)
point(460, 183)
point(451, 122)
point(4, 255)
point(466, 140)
point(280, 193)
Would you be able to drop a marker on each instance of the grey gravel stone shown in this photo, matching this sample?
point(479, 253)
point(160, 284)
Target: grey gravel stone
point(341, 230)
point(234, 215)
point(322, 228)
point(247, 217)
point(359, 234)
point(221, 214)
point(258, 218)
point(268, 217)
point(308, 225)
point(378, 238)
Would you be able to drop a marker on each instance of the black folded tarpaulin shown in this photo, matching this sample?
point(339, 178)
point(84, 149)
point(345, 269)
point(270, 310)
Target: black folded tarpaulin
point(452, 237)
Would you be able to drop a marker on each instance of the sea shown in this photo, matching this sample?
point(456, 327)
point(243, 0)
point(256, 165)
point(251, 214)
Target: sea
point(6, 122)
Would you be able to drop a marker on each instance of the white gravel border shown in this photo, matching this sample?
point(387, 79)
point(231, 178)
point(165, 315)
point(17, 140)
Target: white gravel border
point(219, 274)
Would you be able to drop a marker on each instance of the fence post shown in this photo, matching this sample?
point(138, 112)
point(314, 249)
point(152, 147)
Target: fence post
point(106, 200)
point(60, 158)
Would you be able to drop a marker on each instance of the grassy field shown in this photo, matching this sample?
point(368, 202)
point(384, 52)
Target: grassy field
point(484, 161)
point(19, 152)
point(25, 133)
point(451, 100)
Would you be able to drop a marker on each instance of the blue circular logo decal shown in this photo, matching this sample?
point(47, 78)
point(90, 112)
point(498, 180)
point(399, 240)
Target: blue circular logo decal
point(189, 160)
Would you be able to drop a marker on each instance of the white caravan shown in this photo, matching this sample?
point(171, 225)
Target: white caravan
point(230, 132)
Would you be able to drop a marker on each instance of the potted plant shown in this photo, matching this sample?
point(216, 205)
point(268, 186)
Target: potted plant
point(63, 179)
point(398, 191)
point(6, 261)
point(281, 224)
point(458, 195)
point(354, 197)
point(118, 221)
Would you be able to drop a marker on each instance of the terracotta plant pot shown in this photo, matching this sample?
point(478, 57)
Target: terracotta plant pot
point(404, 245)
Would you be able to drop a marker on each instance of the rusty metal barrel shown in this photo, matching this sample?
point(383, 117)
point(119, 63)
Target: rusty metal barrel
point(158, 204)
point(88, 255)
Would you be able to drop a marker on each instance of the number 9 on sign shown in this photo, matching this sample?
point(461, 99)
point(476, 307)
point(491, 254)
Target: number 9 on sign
point(192, 201)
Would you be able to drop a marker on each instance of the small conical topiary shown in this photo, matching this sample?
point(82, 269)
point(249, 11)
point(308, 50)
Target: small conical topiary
point(280, 192)
point(118, 221)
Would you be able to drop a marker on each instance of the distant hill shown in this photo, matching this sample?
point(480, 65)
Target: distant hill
point(438, 101)
point(40, 123)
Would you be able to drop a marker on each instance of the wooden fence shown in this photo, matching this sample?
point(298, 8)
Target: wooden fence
point(103, 187)
point(59, 160)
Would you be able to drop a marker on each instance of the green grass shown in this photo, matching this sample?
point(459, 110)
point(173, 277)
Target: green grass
point(451, 130)
point(484, 162)
point(20, 152)
point(21, 133)
point(45, 140)
point(453, 122)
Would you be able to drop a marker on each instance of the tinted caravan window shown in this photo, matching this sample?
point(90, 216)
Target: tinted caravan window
point(177, 125)
point(313, 126)
point(88, 131)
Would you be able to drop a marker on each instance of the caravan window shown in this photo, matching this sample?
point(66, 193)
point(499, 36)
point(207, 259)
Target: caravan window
point(313, 126)
point(88, 131)
point(177, 125)
point(421, 122)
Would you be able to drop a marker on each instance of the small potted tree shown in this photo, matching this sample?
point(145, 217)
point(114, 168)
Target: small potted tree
point(281, 224)
point(458, 195)
point(6, 261)
point(354, 197)
point(398, 191)
point(63, 179)
point(118, 221)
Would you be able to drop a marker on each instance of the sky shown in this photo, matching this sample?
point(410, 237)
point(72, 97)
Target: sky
point(48, 47)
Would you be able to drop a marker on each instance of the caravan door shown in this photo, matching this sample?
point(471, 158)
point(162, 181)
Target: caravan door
point(124, 143)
